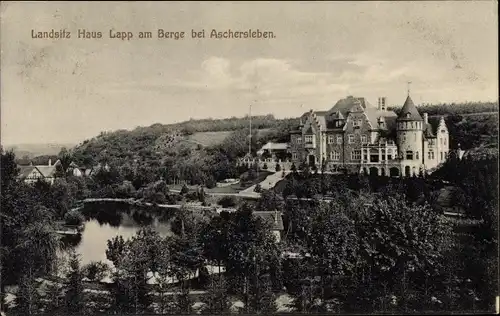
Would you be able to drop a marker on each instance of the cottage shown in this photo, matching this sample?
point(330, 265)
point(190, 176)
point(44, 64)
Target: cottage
point(31, 173)
point(274, 150)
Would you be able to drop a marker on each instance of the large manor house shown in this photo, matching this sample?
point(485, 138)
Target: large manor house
point(357, 136)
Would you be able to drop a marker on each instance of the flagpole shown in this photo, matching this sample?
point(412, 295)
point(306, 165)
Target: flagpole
point(250, 138)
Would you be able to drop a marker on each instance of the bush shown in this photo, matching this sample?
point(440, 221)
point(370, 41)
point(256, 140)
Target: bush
point(211, 183)
point(278, 167)
point(74, 218)
point(227, 201)
point(192, 196)
point(258, 188)
point(184, 189)
point(293, 168)
point(96, 271)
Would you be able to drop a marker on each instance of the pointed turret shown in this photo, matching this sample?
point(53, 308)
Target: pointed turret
point(409, 111)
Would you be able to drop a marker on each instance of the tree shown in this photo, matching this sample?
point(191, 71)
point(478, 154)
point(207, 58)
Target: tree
point(400, 245)
point(227, 201)
point(270, 201)
point(202, 195)
point(27, 298)
point(74, 218)
point(74, 295)
point(96, 271)
point(133, 260)
point(278, 167)
point(217, 300)
point(116, 249)
point(333, 243)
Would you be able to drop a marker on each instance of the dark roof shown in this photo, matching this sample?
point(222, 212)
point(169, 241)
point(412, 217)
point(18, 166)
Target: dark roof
point(272, 217)
point(345, 105)
point(409, 107)
point(24, 171)
point(431, 127)
point(374, 114)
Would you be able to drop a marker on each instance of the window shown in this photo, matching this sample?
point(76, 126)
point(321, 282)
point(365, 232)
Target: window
point(308, 138)
point(365, 157)
point(416, 155)
point(443, 131)
point(335, 155)
point(441, 155)
point(390, 142)
point(409, 155)
point(363, 139)
point(299, 140)
point(356, 123)
point(295, 156)
point(339, 139)
point(356, 155)
point(330, 139)
point(444, 141)
point(408, 115)
point(350, 139)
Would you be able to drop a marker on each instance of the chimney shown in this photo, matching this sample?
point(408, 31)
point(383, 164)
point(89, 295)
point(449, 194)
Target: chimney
point(382, 103)
point(50, 162)
point(426, 118)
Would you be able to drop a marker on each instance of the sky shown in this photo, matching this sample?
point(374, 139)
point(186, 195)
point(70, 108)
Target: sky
point(68, 90)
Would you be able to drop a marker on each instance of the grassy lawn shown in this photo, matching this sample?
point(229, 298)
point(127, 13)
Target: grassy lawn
point(209, 138)
point(233, 188)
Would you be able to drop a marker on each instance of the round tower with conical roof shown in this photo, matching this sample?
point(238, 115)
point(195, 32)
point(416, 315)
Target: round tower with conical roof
point(409, 127)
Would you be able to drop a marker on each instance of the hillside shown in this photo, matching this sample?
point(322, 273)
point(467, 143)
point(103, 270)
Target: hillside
point(200, 151)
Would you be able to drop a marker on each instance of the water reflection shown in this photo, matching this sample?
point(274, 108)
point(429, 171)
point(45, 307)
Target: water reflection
point(104, 222)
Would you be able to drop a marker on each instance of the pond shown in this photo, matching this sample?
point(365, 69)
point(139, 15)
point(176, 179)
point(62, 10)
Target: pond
point(105, 221)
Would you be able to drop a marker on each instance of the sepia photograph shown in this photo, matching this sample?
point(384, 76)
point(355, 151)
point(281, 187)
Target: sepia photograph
point(219, 158)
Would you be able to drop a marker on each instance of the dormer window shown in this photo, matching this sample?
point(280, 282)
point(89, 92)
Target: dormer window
point(408, 115)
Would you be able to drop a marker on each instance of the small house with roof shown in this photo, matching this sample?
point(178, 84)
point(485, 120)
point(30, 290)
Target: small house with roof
point(275, 220)
point(33, 173)
point(274, 150)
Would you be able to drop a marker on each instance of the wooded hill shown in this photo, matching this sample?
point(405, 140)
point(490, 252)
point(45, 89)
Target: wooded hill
point(200, 151)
